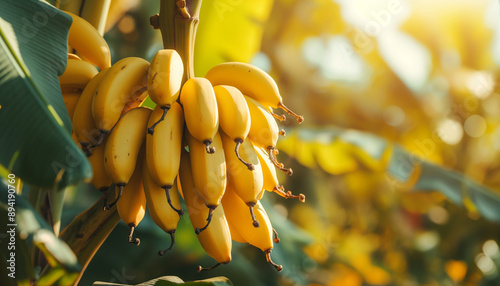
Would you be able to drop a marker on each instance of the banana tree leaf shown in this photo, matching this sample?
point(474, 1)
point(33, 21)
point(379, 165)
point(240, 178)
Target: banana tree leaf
point(25, 227)
point(35, 126)
point(229, 31)
point(173, 280)
point(403, 169)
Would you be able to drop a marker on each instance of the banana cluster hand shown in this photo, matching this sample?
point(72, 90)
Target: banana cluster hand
point(210, 139)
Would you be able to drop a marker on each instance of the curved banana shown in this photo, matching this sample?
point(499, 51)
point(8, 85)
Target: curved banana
point(216, 238)
point(163, 148)
point(209, 172)
point(264, 131)
point(84, 125)
point(247, 184)
point(70, 100)
point(123, 146)
point(159, 208)
point(132, 204)
point(122, 81)
point(88, 42)
point(271, 182)
point(251, 81)
point(164, 80)
point(100, 178)
point(261, 237)
point(76, 75)
point(200, 110)
point(234, 116)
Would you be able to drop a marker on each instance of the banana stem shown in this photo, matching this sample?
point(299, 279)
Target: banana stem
point(207, 268)
point(151, 129)
point(211, 210)
point(178, 21)
point(238, 142)
point(172, 241)
point(167, 192)
point(96, 13)
point(131, 238)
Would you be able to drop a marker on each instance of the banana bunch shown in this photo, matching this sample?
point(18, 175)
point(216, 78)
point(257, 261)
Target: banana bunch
point(211, 140)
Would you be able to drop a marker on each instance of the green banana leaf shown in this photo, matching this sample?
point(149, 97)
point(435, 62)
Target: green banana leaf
point(229, 31)
point(403, 169)
point(29, 229)
point(173, 280)
point(35, 126)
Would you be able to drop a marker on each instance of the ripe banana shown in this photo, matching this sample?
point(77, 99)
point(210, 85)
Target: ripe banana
point(261, 237)
point(251, 81)
point(100, 178)
point(163, 148)
point(164, 81)
point(200, 110)
point(216, 238)
point(247, 184)
point(84, 125)
point(234, 116)
point(160, 210)
point(123, 145)
point(122, 81)
point(87, 41)
point(264, 131)
point(132, 204)
point(76, 75)
point(209, 173)
point(271, 182)
point(70, 100)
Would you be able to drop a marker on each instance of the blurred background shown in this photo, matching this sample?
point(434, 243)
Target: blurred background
point(398, 155)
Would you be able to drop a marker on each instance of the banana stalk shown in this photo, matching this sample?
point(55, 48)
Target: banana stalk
point(178, 21)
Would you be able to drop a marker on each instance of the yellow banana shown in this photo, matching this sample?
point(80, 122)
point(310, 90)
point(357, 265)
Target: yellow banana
point(70, 100)
point(209, 170)
point(234, 116)
point(123, 145)
point(264, 131)
point(88, 42)
point(162, 214)
point(164, 80)
point(163, 148)
point(271, 182)
point(132, 204)
point(251, 81)
point(216, 238)
point(200, 110)
point(248, 184)
point(100, 178)
point(122, 81)
point(84, 125)
point(76, 75)
point(261, 237)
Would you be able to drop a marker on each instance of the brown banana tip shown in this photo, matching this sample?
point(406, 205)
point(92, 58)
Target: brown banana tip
point(172, 241)
point(209, 219)
point(282, 133)
point(279, 117)
point(300, 118)
point(199, 269)
point(276, 238)
point(289, 172)
point(151, 129)
point(209, 149)
point(255, 222)
point(268, 258)
point(302, 198)
point(238, 142)
point(131, 239)
point(154, 21)
point(180, 212)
